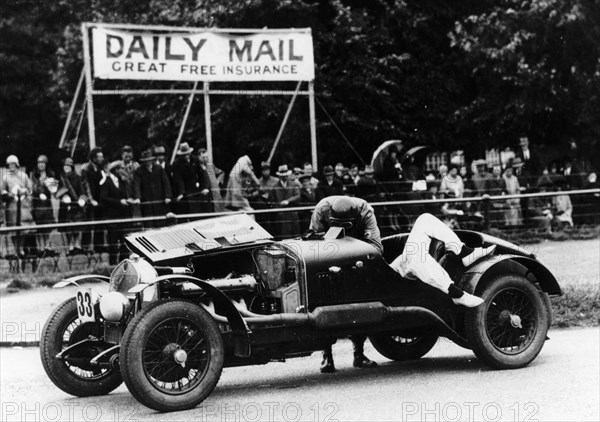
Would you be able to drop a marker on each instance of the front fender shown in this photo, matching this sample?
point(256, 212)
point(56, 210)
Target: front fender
point(498, 264)
point(239, 328)
point(74, 281)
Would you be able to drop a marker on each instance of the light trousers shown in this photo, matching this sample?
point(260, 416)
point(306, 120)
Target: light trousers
point(415, 262)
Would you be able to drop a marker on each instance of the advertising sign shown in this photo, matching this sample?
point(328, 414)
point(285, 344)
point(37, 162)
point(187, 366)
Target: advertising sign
point(153, 53)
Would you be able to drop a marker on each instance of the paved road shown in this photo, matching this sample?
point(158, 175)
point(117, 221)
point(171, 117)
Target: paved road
point(563, 383)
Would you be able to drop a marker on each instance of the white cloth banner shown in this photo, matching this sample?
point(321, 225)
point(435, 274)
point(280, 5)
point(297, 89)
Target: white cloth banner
point(201, 56)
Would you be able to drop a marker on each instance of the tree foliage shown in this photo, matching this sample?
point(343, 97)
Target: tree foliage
point(536, 71)
point(447, 74)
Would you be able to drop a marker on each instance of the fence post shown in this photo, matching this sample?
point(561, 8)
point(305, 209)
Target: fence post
point(486, 211)
point(18, 243)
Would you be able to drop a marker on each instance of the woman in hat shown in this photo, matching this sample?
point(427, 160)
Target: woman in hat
point(42, 178)
point(512, 214)
point(562, 206)
point(452, 182)
point(16, 191)
point(72, 199)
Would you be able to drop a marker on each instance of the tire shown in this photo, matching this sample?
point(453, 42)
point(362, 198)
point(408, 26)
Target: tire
point(64, 328)
point(492, 328)
point(401, 348)
point(149, 352)
point(548, 305)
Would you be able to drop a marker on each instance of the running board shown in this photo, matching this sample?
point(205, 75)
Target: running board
point(444, 329)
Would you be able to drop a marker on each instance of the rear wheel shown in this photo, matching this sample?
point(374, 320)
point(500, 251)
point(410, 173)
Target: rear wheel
point(509, 329)
point(403, 346)
point(63, 329)
point(172, 355)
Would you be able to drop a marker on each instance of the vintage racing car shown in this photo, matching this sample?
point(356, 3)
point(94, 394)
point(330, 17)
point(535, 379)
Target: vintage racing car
point(196, 297)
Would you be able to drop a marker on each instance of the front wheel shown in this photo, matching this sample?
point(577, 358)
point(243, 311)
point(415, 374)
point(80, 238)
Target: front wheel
point(509, 329)
point(63, 329)
point(172, 355)
point(403, 347)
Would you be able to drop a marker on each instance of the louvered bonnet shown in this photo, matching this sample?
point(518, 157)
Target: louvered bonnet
point(197, 237)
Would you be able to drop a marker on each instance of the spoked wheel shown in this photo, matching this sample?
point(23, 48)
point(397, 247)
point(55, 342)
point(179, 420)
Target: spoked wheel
point(509, 329)
point(75, 376)
point(403, 346)
point(172, 355)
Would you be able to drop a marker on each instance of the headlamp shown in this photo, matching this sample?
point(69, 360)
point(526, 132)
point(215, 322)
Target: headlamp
point(113, 306)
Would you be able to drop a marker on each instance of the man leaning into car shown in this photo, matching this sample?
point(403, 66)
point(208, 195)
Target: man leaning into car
point(358, 219)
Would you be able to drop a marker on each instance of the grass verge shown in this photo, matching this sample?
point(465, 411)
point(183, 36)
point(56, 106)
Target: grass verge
point(529, 236)
point(579, 306)
point(29, 281)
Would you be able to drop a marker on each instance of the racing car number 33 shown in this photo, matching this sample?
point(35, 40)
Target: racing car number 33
point(85, 305)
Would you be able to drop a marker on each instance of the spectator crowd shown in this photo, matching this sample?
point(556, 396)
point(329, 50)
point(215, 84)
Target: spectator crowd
point(151, 187)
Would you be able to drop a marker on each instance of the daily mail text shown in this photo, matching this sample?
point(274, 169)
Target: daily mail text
point(201, 56)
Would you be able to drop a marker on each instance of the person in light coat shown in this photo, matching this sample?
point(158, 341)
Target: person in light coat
point(16, 189)
point(242, 181)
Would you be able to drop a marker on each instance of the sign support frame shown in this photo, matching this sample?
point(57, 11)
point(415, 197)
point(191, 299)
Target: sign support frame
point(208, 121)
point(313, 125)
point(89, 86)
point(63, 137)
point(184, 121)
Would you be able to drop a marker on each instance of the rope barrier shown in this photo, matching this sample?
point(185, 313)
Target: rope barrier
point(192, 216)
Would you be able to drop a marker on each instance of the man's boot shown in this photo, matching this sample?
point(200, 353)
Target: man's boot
point(327, 366)
point(360, 360)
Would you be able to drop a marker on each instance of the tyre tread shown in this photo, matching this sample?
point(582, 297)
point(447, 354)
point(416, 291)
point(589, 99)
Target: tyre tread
point(138, 384)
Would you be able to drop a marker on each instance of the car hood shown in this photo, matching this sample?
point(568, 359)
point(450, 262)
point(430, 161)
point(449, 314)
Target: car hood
point(198, 237)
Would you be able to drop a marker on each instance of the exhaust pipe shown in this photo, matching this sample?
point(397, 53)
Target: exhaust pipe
point(350, 315)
